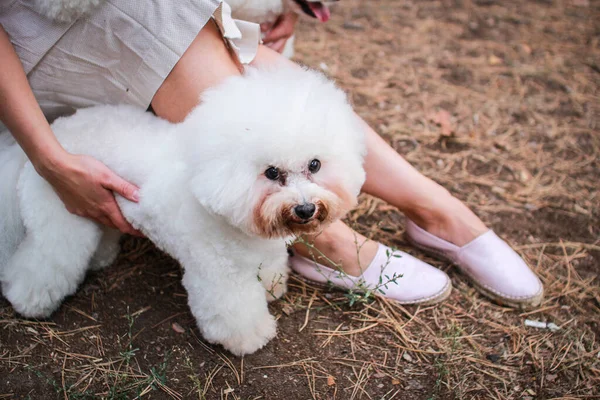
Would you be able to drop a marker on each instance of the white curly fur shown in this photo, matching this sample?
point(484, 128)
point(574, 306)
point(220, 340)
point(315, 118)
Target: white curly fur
point(204, 197)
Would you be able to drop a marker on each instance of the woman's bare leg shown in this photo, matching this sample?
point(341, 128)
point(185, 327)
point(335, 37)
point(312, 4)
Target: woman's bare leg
point(391, 178)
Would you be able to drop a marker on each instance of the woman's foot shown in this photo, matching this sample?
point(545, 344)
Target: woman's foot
point(495, 269)
point(347, 260)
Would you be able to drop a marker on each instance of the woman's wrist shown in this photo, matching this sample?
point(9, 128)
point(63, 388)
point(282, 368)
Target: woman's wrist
point(49, 160)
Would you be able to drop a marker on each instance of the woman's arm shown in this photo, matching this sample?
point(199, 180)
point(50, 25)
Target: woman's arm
point(83, 183)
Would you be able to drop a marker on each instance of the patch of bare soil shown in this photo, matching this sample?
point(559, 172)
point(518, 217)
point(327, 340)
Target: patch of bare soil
point(499, 102)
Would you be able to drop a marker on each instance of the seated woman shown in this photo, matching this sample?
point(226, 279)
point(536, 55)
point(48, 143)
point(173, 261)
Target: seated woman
point(165, 55)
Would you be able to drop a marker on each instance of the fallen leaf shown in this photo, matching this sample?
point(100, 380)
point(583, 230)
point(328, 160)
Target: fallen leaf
point(330, 380)
point(442, 119)
point(494, 60)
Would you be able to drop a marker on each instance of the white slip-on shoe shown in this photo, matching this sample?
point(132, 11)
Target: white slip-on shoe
point(489, 262)
point(393, 274)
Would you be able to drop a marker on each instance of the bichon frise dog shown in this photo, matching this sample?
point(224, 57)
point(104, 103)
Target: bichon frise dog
point(264, 157)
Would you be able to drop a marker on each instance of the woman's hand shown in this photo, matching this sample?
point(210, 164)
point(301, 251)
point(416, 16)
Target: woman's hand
point(278, 33)
point(86, 187)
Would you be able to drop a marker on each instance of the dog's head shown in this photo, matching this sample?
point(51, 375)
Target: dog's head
point(277, 152)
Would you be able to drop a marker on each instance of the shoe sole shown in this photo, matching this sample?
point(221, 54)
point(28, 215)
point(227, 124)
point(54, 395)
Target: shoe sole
point(435, 299)
point(524, 304)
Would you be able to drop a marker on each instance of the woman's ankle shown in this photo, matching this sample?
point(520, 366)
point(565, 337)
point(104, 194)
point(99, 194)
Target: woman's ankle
point(339, 247)
point(447, 218)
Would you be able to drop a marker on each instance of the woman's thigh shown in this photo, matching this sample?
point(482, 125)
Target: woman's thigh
point(206, 62)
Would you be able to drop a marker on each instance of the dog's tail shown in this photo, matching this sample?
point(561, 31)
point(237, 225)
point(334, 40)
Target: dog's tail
point(12, 229)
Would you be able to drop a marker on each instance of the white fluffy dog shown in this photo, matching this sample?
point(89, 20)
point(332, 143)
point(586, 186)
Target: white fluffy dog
point(264, 157)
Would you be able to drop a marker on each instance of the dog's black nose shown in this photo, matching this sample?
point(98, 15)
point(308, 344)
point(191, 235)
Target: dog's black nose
point(305, 211)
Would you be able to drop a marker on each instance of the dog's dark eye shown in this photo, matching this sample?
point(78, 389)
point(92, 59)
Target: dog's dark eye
point(314, 166)
point(272, 173)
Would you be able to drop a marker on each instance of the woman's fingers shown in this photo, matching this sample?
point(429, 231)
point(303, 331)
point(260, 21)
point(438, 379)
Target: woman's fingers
point(113, 214)
point(283, 28)
point(120, 186)
point(111, 209)
point(105, 221)
point(279, 45)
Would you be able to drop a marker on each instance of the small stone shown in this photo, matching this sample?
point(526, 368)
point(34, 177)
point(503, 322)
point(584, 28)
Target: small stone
point(353, 26)
point(177, 328)
point(526, 49)
point(407, 357)
point(493, 357)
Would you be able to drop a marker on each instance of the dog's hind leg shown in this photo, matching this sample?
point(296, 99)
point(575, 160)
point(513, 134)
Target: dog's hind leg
point(107, 251)
point(52, 259)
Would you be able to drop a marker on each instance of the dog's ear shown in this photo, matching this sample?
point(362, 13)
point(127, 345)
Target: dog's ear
point(224, 190)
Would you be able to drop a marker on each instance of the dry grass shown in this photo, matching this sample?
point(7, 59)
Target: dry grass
point(499, 102)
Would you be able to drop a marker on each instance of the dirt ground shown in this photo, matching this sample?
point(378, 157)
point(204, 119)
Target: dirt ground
point(496, 100)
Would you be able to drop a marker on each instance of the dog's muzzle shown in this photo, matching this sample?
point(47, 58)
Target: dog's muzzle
point(305, 211)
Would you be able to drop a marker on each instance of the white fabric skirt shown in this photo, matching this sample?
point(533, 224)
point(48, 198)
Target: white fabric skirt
point(120, 53)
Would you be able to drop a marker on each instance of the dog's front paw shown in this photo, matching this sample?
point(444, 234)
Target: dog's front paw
point(242, 339)
point(274, 280)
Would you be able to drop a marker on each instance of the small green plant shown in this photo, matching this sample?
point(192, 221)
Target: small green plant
point(443, 371)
